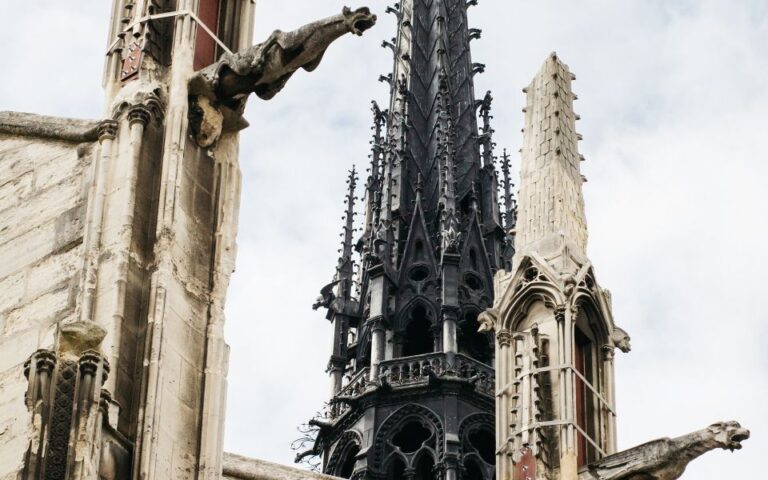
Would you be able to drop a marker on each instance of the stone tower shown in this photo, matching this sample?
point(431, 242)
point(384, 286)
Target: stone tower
point(555, 334)
point(129, 376)
point(411, 377)
point(118, 242)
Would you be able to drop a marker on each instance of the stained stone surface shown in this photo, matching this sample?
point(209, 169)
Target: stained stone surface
point(43, 165)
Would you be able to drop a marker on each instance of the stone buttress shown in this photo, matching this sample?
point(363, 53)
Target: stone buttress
point(129, 377)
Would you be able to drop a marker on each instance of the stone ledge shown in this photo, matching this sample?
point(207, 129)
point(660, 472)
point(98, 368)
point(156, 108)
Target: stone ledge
point(58, 128)
point(237, 467)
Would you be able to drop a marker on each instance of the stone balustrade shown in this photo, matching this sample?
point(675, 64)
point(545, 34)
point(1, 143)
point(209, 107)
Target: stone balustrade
point(413, 371)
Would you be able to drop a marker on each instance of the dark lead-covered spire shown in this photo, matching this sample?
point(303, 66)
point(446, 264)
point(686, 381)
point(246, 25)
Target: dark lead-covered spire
point(431, 242)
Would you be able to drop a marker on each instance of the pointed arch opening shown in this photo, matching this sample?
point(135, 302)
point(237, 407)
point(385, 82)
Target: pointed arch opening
point(472, 471)
point(424, 468)
point(410, 433)
point(418, 338)
point(478, 447)
point(396, 469)
point(473, 259)
point(347, 465)
point(588, 336)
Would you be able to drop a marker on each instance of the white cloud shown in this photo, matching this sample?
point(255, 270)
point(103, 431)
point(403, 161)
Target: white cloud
point(674, 102)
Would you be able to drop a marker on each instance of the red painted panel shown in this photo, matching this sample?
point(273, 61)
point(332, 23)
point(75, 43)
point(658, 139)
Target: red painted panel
point(525, 468)
point(205, 46)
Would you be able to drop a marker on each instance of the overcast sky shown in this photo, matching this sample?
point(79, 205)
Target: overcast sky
point(673, 97)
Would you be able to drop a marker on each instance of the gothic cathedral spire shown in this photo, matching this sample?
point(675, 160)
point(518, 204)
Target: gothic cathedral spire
point(412, 379)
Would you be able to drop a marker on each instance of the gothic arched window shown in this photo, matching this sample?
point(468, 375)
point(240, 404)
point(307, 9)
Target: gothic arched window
point(478, 447)
point(347, 466)
point(472, 471)
point(588, 387)
point(418, 338)
point(396, 469)
point(424, 468)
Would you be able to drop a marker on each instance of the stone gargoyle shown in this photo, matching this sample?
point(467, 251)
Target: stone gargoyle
point(666, 458)
point(218, 92)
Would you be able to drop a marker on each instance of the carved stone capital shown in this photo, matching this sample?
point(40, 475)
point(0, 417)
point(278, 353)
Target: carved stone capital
point(107, 130)
point(90, 362)
point(560, 313)
point(609, 352)
point(336, 364)
point(449, 312)
point(139, 114)
point(42, 361)
point(377, 323)
point(504, 337)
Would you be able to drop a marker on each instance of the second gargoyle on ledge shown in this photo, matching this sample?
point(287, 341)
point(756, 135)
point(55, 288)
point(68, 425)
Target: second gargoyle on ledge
point(218, 92)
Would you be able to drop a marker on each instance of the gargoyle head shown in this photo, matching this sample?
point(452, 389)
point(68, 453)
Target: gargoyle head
point(621, 339)
point(487, 320)
point(359, 20)
point(728, 435)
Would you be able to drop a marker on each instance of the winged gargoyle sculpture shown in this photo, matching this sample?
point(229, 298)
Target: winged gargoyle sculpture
point(666, 458)
point(219, 91)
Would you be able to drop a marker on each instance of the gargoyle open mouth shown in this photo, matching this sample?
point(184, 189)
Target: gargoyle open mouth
point(737, 438)
point(360, 20)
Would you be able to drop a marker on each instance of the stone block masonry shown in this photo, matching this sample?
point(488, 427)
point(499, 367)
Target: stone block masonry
point(550, 204)
point(44, 165)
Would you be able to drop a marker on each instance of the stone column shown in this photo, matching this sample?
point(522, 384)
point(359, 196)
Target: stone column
point(336, 374)
point(450, 341)
point(504, 426)
point(94, 217)
point(377, 310)
point(608, 382)
point(378, 339)
point(450, 467)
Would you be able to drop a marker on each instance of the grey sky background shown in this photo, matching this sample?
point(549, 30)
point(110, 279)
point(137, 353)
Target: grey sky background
point(674, 106)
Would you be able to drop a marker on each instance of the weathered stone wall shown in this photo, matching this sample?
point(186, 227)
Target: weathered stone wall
point(237, 467)
point(42, 205)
